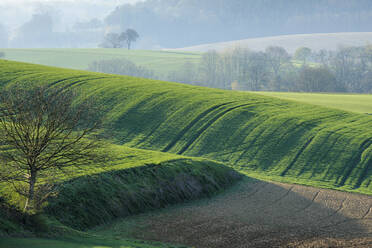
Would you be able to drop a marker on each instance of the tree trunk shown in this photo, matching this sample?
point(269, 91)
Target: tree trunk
point(128, 45)
point(31, 191)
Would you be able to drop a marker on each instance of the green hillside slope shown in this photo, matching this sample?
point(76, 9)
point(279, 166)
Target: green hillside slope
point(161, 62)
point(261, 135)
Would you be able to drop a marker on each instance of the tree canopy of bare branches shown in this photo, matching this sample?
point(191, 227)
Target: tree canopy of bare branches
point(43, 130)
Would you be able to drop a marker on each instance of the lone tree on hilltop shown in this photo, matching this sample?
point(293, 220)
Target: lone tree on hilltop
point(129, 36)
point(43, 131)
point(115, 40)
point(112, 40)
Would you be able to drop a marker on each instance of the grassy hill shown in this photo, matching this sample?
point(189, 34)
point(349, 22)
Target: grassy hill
point(328, 41)
point(161, 62)
point(359, 103)
point(265, 137)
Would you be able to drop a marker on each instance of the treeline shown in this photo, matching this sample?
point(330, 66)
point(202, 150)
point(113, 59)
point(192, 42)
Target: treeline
point(344, 70)
point(179, 23)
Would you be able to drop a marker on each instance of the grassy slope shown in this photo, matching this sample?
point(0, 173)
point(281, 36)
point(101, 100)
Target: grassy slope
point(161, 62)
point(262, 135)
point(350, 102)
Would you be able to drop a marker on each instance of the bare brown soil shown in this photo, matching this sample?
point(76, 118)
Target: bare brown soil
point(262, 214)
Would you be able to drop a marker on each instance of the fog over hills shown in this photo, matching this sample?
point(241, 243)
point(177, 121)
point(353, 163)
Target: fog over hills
point(173, 23)
point(41, 17)
point(316, 42)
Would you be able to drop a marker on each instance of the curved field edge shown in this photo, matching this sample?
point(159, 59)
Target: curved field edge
point(268, 136)
point(99, 199)
point(134, 182)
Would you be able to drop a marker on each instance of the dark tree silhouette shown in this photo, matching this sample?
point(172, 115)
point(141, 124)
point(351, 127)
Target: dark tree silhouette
point(130, 36)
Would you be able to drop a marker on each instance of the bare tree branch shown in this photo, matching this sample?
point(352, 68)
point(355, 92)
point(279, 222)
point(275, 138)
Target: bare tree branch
point(43, 130)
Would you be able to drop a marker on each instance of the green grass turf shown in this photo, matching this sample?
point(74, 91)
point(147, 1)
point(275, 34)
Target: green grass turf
point(359, 103)
point(265, 136)
point(79, 243)
point(161, 62)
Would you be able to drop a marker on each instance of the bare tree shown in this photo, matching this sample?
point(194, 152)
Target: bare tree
point(276, 57)
point(112, 40)
point(44, 130)
point(303, 54)
point(130, 35)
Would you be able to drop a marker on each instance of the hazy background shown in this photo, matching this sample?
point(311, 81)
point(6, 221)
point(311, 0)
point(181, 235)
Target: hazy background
point(173, 23)
point(54, 23)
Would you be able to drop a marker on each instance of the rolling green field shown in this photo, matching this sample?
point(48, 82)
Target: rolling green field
point(161, 62)
point(263, 136)
point(359, 103)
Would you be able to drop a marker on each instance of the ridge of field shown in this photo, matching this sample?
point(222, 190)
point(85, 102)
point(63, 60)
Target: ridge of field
point(161, 62)
point(134, 181)
point(317, 41)
point(261, 135)
point(359, 103)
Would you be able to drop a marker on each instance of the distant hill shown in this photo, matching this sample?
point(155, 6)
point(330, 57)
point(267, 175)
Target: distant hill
point(183, 23)
point(328, 41)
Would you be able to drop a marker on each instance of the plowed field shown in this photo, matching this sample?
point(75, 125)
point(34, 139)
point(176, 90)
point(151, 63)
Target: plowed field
point(260, 214)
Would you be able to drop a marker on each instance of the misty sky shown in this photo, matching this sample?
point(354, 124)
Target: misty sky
point(14, 13)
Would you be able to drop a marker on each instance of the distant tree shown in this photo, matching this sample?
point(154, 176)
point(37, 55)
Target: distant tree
point(2, 54)
point(42, 131)
point(303, 54)
point(112, 40)
point(209, 68)
point(317, 79)
point(129, 36)
point(115, 40)
point(276, 58)
point(257, 71)
point(323, 57)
